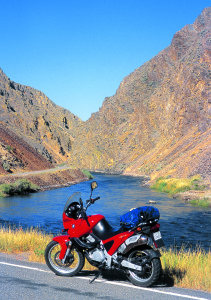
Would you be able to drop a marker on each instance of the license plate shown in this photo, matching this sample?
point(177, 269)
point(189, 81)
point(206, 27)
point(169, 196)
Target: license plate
point(157, 235)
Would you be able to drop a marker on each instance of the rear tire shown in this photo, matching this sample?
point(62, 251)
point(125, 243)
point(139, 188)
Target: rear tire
point(151, 271)
point(72, 267)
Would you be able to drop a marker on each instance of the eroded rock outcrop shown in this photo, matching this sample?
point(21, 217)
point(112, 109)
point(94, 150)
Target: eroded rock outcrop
point(16, 155)
point(158, 123)
point(47, 127)
point(159, 120)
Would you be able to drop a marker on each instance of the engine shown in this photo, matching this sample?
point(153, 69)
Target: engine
point(97, 255)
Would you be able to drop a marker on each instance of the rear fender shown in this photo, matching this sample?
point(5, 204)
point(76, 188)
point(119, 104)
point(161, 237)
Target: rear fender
point(152, 253)
point(62, 240)
point(155, 254)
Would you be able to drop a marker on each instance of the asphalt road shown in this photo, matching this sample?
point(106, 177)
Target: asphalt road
point(26, 280)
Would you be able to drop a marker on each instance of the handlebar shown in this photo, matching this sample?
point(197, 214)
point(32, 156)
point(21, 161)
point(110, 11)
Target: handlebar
point(83, 209)
point(95, 199)
point(91, 201)
point(88, 202)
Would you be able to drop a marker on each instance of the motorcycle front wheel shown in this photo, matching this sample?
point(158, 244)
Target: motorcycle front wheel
point(151, 270)
point(74, 264)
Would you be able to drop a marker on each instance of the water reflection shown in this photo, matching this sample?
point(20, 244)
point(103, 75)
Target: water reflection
point(180, 222)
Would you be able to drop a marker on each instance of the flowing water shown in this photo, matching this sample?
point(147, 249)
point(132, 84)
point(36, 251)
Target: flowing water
point(180, 222)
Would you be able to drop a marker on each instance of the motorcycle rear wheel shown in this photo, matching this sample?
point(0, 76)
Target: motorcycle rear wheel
point(151, 271)
point(73, 266)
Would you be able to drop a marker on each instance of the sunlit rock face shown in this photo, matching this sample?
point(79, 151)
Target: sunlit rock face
point(158, 122)
point(47, 127)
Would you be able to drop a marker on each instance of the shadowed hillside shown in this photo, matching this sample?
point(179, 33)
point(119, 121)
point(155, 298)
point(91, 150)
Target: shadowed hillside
point(159, 121)
point(47, 127)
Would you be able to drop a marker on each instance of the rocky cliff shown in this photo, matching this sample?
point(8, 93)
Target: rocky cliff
point(17, 156)
point(159, 121)
point(47, 127)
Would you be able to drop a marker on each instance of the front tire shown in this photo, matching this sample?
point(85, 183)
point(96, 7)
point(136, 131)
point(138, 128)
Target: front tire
point(151, 270)
point(72, 267)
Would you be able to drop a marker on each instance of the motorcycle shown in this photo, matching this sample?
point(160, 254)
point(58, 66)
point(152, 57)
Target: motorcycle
point(93, 238)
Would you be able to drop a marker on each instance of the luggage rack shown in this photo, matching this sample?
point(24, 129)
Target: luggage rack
point(144, 223)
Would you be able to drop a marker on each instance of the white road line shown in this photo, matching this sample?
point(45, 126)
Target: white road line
point(143, 288)
point(24, 267)
point(113, 283)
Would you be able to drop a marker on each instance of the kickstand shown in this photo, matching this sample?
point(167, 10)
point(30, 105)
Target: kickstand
point(96, 276)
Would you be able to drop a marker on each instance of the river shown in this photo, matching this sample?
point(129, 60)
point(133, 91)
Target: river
point(181, 223)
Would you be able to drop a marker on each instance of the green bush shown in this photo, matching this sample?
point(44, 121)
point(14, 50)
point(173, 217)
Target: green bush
point(201, 202)
point(9, 148)
point(88, 174)
point(177, 185)
point(6, 166)
point(20, 187)
point(172, 185)
point(7, 189)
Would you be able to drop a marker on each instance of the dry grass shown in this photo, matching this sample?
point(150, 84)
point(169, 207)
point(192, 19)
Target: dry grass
point(182, 268)
point(31, 240)
point(187, 268)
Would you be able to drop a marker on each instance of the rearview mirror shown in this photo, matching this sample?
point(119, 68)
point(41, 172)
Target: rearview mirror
point(93, 185)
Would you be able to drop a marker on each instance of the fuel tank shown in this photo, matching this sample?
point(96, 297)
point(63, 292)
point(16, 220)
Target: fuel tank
point(80, 227)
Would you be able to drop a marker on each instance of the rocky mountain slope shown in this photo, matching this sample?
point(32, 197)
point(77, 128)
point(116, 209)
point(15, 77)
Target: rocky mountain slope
point(159, 121)
point(48, 128)
point(18, 156)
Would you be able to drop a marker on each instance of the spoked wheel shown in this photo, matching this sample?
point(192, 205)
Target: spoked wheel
point(151, 270)
point(74, 264)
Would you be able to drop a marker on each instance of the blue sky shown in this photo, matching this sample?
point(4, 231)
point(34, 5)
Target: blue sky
point(78, 52)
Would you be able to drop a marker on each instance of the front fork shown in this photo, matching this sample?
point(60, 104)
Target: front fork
point(67, 252)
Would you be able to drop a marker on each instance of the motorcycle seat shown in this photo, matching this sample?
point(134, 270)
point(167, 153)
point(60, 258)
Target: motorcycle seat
point(103, 230)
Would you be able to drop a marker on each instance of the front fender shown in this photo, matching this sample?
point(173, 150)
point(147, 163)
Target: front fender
point(62, 240)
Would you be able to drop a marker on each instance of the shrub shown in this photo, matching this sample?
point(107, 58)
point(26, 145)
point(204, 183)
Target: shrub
point(6, 166)
point(20, 187)
point(7, 189)
point(201, 202)
point(88, 174)
point(23, 186)
point(177, 185)
point(9, 148)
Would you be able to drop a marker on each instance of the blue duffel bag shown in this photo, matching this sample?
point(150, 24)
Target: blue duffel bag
point(139, 215)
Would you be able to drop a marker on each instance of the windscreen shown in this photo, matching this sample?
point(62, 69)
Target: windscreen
point(74, 198)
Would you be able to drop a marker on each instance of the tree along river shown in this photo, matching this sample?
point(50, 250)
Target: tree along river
point(181, 223)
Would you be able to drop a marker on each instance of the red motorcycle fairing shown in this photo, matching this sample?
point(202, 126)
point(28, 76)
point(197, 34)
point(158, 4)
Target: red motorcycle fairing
point(78, 228)
point(113, 243)
point(62, 240)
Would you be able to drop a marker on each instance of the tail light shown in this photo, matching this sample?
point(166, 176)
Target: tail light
point(155, 227)
point(138, 228)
